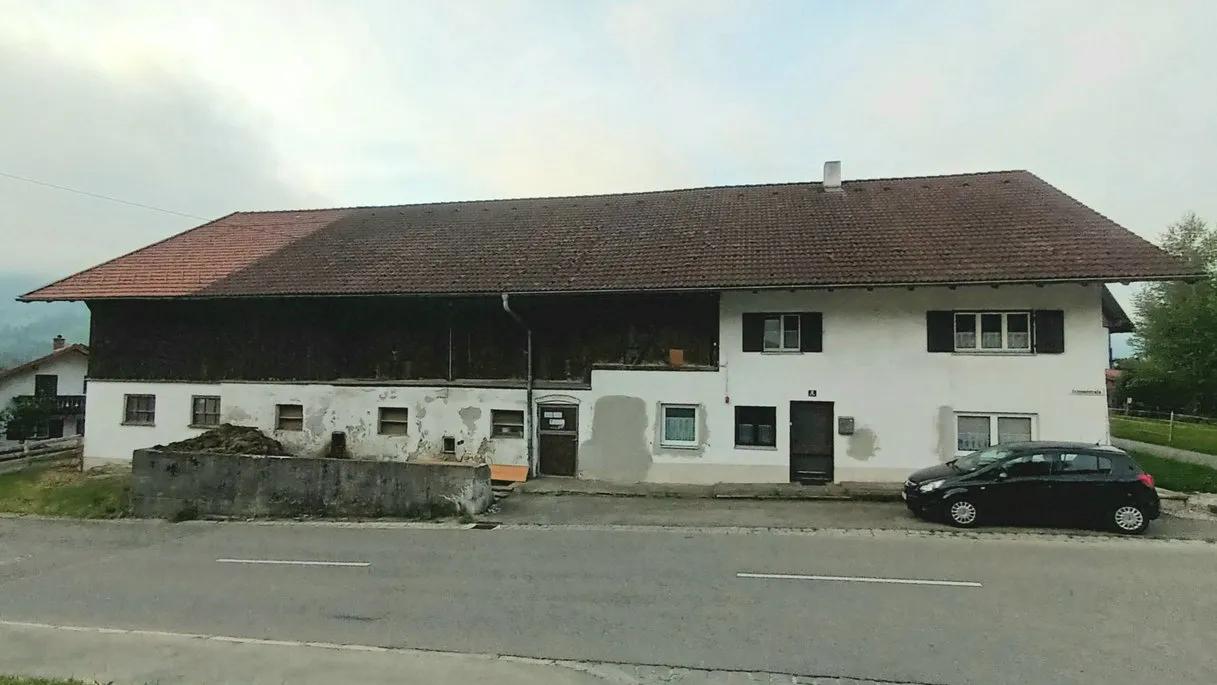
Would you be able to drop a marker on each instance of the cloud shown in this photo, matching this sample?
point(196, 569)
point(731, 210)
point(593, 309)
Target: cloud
point(151, 137)
point(313, 102)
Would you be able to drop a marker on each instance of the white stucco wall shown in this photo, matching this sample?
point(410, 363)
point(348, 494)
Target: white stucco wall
point(71, 368)
point(874, 368)
point(462, 413)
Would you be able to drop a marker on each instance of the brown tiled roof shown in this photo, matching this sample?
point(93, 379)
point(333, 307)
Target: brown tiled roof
point(1006, 226)
point(5, 374)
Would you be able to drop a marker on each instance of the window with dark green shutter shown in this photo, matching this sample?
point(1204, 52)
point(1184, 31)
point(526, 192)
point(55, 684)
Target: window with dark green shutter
point(1049, 331)
point(995, 331)
point(783, 332)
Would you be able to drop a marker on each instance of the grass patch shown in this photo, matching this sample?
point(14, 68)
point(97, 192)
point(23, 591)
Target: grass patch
point(67, 492)
point(22, 680)
point(1176, 475)
point(1195, 437)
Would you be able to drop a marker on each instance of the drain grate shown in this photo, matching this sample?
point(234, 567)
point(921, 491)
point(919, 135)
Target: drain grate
point(484, 525)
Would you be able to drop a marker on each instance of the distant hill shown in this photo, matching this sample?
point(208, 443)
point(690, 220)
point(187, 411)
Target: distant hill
point(26, 329)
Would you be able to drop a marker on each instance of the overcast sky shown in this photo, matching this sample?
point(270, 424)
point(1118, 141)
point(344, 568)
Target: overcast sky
point(206, 107)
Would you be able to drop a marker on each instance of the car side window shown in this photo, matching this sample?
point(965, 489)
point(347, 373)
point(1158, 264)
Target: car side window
point(1076, 464)
point(1029, 466)
point(1082, 464)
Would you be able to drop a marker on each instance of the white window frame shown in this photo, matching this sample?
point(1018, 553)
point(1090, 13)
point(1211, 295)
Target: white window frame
point(782, 330)
point(664, 441)
point(993, 424)
point(977, 347)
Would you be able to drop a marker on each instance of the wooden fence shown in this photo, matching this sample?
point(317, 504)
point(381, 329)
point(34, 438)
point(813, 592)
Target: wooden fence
point(33, 452)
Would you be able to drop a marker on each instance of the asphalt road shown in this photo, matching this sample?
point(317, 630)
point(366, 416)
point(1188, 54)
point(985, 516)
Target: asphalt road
point(1035, 610)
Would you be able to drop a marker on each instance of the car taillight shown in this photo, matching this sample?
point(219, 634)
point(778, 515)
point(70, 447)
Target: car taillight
point(1146, 478)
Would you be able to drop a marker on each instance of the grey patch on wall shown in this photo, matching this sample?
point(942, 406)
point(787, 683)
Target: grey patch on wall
point(484, 453)
point(236, 415)
point(863, 444)
point(617, 449)
point(314, 419)
point(703, 433)
point(358, 431)
point(946, 434)
point(469, 416)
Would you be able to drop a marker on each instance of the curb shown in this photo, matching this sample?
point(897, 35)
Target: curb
point(760, 496)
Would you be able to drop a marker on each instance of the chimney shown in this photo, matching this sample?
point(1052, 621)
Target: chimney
point(57, 343)
point(832, 177)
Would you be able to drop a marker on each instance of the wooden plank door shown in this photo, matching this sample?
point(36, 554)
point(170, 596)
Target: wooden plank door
point(811, 442)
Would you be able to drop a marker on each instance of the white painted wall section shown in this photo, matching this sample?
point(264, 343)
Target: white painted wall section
point(874, 368)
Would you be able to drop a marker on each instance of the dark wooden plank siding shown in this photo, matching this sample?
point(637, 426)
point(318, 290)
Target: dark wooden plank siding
point(373, 338)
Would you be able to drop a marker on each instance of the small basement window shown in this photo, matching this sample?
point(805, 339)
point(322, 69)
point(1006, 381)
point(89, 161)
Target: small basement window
point(449, 445)
point(756, 427)
point(139, 410)
point(289, 417)
point(507, 423)
point(993, 331)
point(204, 411)
point(394, 420)
point(679, 425)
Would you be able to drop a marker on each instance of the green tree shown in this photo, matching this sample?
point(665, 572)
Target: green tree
point(25, 417)
point(1176, 339)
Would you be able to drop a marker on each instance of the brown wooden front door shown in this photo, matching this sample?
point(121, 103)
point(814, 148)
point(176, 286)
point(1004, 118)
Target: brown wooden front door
point(557, 439)
point(811, 442)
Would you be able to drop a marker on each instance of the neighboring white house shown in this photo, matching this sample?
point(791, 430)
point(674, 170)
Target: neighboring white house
point(856, 330)
point(60, 376)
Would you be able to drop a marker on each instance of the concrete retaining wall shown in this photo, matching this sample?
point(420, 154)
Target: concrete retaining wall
point(182, 484)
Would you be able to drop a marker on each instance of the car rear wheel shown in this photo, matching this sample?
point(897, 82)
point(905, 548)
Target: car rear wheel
point(962, 512)
point(1130, 519)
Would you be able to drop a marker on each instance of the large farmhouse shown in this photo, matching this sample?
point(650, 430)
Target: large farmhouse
point(794, 332)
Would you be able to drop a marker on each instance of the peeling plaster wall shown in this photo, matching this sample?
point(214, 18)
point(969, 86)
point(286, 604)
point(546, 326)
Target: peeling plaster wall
point(463, 413)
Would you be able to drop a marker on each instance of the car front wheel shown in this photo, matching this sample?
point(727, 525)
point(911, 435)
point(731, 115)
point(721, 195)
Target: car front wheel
point(962, 512)
point(1130, 519)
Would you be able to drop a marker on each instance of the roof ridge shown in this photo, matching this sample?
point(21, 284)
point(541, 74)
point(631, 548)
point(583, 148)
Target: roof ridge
point(23, 298)
point(662, 191)
point(24, 366)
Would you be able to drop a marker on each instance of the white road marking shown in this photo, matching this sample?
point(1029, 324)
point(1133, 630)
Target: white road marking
point(282, 562)
point(861, 579)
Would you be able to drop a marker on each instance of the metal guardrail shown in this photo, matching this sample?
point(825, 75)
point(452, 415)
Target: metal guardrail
point(63, 405)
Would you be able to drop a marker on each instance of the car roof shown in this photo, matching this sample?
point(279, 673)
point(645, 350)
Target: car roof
point(1058, 444)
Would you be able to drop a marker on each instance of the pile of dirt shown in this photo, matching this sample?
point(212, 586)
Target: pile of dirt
point(229, 439)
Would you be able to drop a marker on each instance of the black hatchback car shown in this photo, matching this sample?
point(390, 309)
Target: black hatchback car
point(1051, 483)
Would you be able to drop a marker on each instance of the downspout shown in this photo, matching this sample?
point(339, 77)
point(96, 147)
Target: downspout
point(528, 413)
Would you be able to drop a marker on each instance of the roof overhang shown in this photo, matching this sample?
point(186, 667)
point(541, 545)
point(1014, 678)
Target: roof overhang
point(908, 285)
point(1114, 317)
